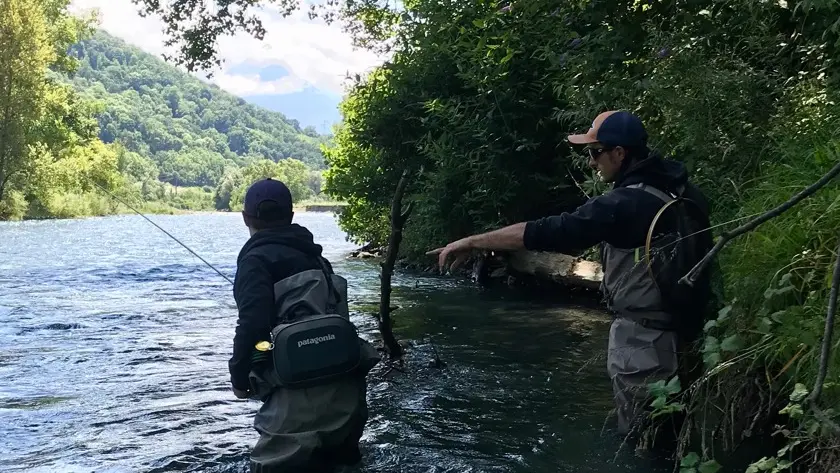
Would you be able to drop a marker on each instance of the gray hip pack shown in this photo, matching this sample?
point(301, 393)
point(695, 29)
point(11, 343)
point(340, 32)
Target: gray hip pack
point(313, 341)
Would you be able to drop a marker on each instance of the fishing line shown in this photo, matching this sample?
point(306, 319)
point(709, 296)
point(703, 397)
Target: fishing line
point(710, 228)
point(164, 231)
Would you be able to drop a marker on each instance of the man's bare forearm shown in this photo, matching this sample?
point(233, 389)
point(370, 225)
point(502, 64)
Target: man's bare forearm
point(508, 238)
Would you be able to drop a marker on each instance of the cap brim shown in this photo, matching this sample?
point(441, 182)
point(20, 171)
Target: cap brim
point(584, 139)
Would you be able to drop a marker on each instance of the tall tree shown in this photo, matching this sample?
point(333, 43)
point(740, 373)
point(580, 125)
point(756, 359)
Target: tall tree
point(39, 117)
point(25, 54)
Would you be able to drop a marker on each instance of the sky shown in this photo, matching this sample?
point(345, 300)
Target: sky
point(299, 67)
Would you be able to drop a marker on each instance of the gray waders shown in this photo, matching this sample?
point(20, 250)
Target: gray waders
point(644, 346)
point(637, 357)
point(313, 429)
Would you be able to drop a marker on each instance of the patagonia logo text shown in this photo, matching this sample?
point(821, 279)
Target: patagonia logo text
point(316, 340)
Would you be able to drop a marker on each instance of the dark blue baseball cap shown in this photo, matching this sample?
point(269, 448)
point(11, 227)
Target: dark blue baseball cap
point(264, 191)
point(614, 128)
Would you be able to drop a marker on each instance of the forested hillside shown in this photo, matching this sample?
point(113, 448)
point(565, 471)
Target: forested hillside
point(82, 112)
point(189, 129)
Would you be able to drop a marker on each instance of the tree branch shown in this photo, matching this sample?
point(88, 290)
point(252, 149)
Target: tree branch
point(407, 212)
point(825, 352)
point(398, 194)
point(691, 277)
point(397, 222)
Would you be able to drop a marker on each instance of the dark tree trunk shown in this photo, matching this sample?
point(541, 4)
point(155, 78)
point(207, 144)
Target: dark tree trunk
point(398, 219)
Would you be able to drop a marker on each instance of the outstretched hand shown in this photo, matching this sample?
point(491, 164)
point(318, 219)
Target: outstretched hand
point(459, 249)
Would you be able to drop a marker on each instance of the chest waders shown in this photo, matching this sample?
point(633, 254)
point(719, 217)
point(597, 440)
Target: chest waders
point(644, 337)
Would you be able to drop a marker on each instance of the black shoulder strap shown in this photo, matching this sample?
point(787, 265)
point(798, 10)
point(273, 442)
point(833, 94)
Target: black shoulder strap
point(331, 307)
point(664, 196)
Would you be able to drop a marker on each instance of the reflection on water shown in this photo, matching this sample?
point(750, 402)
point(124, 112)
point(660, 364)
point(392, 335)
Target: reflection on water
point(114, 343)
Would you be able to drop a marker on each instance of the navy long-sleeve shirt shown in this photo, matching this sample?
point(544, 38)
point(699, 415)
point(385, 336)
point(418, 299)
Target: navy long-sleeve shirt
point(268, 257)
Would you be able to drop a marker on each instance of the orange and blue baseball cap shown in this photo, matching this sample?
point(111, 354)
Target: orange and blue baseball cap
point(614, 128)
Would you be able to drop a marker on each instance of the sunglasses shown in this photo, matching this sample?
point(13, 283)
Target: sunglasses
point(594, 153)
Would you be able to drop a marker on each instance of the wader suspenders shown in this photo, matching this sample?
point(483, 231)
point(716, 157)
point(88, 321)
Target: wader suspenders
point(331, 306)
point(668, 199)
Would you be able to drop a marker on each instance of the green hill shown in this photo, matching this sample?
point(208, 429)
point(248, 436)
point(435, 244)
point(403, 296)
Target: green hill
point(87, 118)
point(177, 128)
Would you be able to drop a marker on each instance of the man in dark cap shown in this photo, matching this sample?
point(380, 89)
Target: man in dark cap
point(312, 429)
point(649, 330)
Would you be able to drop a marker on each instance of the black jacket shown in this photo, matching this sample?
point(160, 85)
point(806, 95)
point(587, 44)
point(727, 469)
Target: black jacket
point(267, 257)
point(620, 217)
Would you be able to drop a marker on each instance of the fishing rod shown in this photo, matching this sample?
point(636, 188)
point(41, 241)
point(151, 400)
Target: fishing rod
point(164, 231)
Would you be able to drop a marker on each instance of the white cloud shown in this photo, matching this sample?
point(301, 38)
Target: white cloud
point(121, 19)
point(313, 53)
point(243, 85)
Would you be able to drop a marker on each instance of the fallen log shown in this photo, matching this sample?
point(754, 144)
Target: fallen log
point(557, 267)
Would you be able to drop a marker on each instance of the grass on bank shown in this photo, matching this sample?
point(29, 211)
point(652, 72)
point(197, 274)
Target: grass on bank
point(57, 205)
point(324, 203)
point(762, 352)
point(164, 199)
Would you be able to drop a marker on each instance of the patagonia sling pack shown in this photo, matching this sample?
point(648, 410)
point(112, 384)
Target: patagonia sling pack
point(313, 341)
point(670, 253)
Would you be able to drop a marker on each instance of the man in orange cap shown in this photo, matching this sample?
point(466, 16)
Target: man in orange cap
point(650, 327)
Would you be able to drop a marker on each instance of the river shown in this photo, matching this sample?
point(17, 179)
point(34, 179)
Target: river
point(114, 344)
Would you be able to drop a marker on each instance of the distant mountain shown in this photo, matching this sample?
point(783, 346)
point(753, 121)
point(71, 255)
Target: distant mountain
point(310, 106)
point(191, 130)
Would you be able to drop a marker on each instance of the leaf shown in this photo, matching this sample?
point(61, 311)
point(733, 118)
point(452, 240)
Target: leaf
point(711, 344)
point(783, 465)
point(799, 392)
point(711, 353)
point(658, 403)
point(710, 466)
point(657, 389)
point(785, 280)
point(777, 316)
point(710, 325)
point(669, 409)
point(731, 343)
point(764, 325)
point(479, 23)
point(793, 410)
point(711, 359)
point(507, 57)
point(784, 450)
point(723, 313)
point(673, 386)
point(766, 463)
point(690, 460)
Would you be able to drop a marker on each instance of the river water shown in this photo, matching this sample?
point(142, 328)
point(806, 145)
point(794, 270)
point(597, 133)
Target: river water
point(114, 344)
